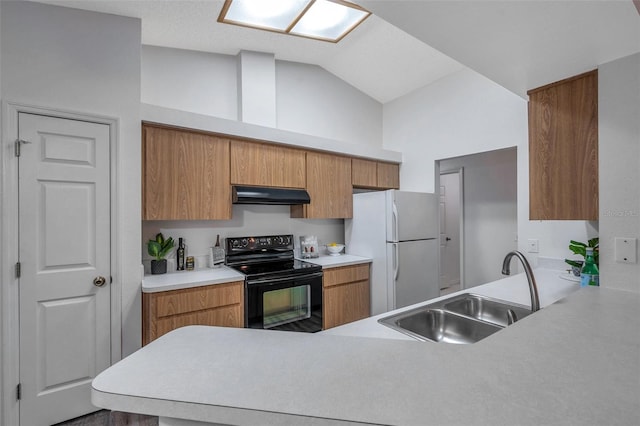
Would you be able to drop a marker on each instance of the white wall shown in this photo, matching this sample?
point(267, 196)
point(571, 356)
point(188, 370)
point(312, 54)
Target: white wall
point(248, 220)
point(490, 212)
point(313, 101)
point(89, 63)
point(619, 158)
point(204, 83)
point(462, 114)
point(309, 100)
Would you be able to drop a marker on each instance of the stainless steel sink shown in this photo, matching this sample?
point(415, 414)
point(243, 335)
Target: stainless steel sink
point(438, 325)
point(466, 318)
point(487, 309)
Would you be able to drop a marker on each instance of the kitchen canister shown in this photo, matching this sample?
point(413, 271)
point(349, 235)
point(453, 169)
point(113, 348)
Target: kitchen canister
point(309, 246)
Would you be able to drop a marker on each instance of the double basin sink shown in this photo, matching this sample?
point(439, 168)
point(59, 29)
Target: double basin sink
point(465, 318)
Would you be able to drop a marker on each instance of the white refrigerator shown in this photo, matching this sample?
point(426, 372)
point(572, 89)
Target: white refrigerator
point(399, 230)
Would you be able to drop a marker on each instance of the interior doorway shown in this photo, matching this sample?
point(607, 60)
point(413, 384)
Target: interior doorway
point(451, 231)
point(488, 216)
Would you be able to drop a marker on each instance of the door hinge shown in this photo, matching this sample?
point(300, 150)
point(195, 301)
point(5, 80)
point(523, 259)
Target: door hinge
point(18, 270)
point(17, 144)
point(19, 391)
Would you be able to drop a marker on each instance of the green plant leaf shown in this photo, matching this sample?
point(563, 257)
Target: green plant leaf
point(160, 238)
point(593, 242)
point(153, 247)
point(577, 243)
point(166, 247)
point(578, 250)
point(576, 263)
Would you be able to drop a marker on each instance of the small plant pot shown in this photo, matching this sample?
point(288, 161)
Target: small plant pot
point(159, 266)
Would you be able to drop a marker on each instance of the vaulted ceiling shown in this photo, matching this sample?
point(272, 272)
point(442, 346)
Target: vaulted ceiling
point(520, 44)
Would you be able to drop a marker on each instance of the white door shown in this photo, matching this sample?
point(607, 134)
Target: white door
point(64, 239)
point(450, 229)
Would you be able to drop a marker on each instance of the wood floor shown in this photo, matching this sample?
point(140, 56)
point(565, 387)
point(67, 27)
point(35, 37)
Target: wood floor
point(111, 418)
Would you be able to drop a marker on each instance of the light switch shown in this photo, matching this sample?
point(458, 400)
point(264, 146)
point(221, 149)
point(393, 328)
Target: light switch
point(625, 250)
point(532, 246)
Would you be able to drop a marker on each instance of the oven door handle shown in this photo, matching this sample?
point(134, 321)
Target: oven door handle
point(287, 278)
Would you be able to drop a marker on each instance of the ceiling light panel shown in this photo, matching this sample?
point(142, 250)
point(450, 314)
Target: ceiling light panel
point(269, 14)
point(329, 20)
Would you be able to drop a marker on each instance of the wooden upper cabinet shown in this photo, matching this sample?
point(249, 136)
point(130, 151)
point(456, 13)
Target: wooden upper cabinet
point(388, 175)
point(364, 173)
point(329, 186)
point(374, 174)
point(185, 175)
point(261, 164)
point(563, 149)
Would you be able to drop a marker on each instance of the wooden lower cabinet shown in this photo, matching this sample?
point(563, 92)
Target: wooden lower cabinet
point(346, 295)
point(216, 304)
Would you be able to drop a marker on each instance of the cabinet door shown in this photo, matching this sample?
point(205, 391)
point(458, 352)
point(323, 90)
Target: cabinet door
point(346, 295)
point(374, 174)
point(329, 186)
point(267, 165)
point(218, 304)
point(364, 173)
point(185, 175)
point(563, 150)
point(388, 176)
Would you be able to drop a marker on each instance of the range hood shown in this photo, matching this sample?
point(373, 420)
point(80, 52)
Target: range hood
point(264, 195)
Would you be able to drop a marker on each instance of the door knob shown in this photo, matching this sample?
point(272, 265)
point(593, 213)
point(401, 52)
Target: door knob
point(99, 281)
point(448, 239)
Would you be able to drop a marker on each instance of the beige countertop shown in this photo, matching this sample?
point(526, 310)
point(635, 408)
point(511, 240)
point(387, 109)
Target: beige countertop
point(187, 279)
point(328, 261)
point(575, 362)
point(223, 274)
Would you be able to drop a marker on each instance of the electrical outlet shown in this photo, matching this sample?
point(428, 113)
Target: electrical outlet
point(625, 250)
point(532, 246)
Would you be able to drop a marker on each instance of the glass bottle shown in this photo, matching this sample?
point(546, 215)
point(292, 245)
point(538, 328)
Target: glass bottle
point(180, 255)
point(589, 274)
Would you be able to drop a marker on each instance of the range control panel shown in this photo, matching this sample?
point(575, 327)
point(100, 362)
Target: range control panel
point(260, 243)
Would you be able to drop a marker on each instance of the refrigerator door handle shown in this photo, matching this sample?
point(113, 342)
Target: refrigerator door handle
point(396, 262)
point(394, 212)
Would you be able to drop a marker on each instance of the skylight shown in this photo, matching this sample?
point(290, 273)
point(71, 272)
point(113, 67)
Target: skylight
point(328, 20)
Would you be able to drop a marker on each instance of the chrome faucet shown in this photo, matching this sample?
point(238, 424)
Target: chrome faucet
point(533, 288)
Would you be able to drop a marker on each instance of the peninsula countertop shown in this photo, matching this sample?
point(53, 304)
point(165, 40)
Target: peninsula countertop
point(575, 362)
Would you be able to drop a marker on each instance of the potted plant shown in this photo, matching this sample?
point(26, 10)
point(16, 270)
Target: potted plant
point(579, 248)
point(159, 248)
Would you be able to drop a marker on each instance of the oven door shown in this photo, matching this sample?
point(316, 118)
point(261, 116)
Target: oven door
point(289, 304)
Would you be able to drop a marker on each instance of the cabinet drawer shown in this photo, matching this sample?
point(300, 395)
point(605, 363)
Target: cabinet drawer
point(345, 274)
point(197, 299)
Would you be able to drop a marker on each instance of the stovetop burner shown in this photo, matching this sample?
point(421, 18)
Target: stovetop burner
point(266, 257)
